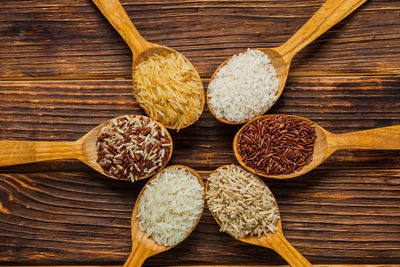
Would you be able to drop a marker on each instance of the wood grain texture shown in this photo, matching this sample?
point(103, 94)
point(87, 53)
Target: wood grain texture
point(64, 70)
point(42, 39)
point(60, 212)
point(66, 110)
point(84, 217)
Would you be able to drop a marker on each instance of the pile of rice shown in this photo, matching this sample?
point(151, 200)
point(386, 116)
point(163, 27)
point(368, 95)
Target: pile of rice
point(242, 204)
point(169, 89)
point(170, 206)
point(243, 88)
point(133, 147)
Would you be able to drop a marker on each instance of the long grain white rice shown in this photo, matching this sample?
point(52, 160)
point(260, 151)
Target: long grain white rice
point(243, 88)
point(168, 89)
point(243, 205)
point(170, 206)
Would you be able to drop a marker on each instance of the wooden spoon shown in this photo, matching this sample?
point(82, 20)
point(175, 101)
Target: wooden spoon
point(144, 246)
point(330, 13)
point(140, 47)
point(275, 241)
point(83, 149)
point(385, 138)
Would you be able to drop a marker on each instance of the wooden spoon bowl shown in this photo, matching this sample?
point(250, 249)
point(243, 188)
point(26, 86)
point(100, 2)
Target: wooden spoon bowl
point(330, 13)
point(275, 241)
point(282, 70)
point(326, 143)
point(83, 149)
point(140, 47)
point(144, 246)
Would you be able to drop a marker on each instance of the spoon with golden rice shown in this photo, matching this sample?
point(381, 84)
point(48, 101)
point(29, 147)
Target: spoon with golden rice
point(166, 84)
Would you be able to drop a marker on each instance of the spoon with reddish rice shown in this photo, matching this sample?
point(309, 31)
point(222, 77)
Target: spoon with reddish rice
point(116, 148)
point(287, 146)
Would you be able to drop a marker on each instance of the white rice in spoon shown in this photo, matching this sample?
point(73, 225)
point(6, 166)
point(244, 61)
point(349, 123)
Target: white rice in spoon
point(243, 88)
point(170, 206)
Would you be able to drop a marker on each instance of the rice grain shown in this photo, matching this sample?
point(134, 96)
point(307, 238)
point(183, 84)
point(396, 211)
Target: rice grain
point(170, 206)
point(168, 89)
point(126, 149)
point(242, 204)
point(244, 87)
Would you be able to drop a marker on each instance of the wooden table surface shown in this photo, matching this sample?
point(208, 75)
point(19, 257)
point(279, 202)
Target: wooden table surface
point(64, 69)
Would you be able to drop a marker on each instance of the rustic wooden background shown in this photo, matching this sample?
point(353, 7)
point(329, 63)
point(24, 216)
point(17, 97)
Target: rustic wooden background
point(63, 70)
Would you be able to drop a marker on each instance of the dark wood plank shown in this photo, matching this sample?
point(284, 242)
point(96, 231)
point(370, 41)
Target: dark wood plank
point(64, 70)
point(53, 39)
point(66, 110)
point(55, 218)
point(78, 216)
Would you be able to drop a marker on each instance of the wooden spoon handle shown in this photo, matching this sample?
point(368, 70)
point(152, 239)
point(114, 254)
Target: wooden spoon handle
point(385, 138)
point(330, 13)
point(138, 255)
point(19, 152)
point(287, 251)
point(116, 15)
